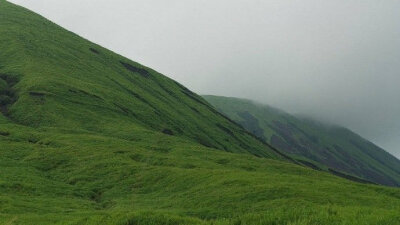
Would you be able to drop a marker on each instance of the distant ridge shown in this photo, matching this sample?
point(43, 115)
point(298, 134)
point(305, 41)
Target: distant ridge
point(334, 147)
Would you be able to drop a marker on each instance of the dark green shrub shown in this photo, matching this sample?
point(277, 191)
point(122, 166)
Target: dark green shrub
point(5, 100)
point(3, 84)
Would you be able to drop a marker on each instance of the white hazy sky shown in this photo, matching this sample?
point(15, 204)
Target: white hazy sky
point(337, 61)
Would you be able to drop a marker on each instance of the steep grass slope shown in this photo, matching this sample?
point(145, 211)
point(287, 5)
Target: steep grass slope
point(51, 77)
point(334, 147)
point(86, 139)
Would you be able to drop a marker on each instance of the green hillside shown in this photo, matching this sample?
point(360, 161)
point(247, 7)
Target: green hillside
point(62, 80)
point(90, 137)
point(332, 146)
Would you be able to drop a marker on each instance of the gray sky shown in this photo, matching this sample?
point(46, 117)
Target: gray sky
point(338, 60)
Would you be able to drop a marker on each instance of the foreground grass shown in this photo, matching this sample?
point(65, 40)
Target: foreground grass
point(54, 176)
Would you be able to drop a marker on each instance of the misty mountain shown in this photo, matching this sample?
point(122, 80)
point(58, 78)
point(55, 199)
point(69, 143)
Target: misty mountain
point(332, 146)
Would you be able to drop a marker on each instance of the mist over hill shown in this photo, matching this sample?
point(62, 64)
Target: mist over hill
point(336, 61)
point(328, 144)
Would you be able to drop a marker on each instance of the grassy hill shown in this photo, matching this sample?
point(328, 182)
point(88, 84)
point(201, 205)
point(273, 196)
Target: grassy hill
point(90, 137)
point(52, 77)
point(335, 147)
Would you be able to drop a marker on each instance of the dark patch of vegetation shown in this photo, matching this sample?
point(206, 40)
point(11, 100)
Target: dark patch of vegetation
point(36, 94)
point(349, 177)
point(223, 161)
point(188, 166)
point(205, 142)
point(76, 91)
point(94, 51)
point(309, 164)
point(5, 100)
point(166, 89)
point(4, 133)
point(11, 80)
point(120, 152)
point(134, 69)
point(7, 92)
point(168, 131)
point(194, 109)
point(51, 164)
point(134, 94)
point(125, 110)
point(136, 157)
point(96, 196)
point(226, 130)
point(38, 97)
point(33, 140)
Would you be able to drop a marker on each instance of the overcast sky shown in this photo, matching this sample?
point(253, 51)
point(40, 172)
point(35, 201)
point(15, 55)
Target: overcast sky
point(338, 60)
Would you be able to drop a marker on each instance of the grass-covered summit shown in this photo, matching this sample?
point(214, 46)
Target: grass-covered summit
point(332, 146)
point(90, 137)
